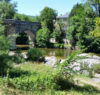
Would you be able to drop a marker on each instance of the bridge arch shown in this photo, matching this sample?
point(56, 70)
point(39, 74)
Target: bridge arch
point(31, 37)
point(26, 37)
point(17, 27)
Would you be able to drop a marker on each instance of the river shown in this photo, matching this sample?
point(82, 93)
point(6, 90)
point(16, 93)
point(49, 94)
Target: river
point(61, 53)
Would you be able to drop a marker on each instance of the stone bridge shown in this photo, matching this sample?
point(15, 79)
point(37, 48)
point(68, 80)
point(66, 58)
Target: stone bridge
point(17, 27)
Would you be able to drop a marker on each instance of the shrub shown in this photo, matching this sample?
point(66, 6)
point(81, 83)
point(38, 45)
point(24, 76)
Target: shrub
point(61, 46)
point(5, 64)
point(64, 74)
point(17, 59)
point(35, 54)
point(42, 37)
point(17, 72)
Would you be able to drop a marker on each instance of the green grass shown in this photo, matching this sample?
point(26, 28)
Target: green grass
point(38, 67)
point(82, 88)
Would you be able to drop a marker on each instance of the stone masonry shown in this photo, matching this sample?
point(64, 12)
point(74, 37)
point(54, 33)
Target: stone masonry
point(14, 27)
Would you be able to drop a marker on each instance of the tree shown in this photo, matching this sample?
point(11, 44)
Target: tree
point(7, 11)
point(96, 31)
point(80, 25)
point(42, 37)
point(59, 32)
point(4, 43)
point(96, 5)
point(5, 1)
point(47, 16)
point(74, 23)
point(23, 17)
point(5, 63)
point(85, 39)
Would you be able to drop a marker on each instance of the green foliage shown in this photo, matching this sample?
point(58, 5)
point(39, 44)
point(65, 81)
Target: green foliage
point(75, 21)
point(4, 42)
point(48, 15)
point(23, 17)
point(96, 4)
point(5, 64)
point(80, 25)
point(34, 54)
point(42, 82)
point(76, 10)
point(96, 31)
point(59, 32)
point(64, 74)
point(7, 11)
point(57, 45)
point(17, 58)
point(85, 39)
point(17, 72)
point(56, 35)
point(60, 80)
point(5, 1)
point(42, 37)
point(33, 82)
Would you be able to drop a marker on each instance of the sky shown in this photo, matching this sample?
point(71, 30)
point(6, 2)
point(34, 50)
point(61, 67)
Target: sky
point(33, 7)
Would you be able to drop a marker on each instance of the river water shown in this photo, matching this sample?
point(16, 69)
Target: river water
point(61, 53)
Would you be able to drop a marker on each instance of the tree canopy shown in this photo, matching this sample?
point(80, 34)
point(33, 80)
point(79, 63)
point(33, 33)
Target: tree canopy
point(7, 11)
point(48, 15)
point(42, 37)
point(80, 25)
point(5, 1)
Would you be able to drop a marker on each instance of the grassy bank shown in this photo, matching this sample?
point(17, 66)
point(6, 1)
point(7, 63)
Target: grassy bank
point(40, 70)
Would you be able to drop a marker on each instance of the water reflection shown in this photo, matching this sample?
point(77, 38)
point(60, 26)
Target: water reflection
point(62, 53)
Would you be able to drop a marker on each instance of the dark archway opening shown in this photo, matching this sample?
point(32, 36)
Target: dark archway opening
point(22, 41)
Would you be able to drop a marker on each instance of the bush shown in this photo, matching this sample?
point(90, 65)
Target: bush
point(64, 74)
point(18, 59)
point(5, 64)
point(42, 37)
point(17, 72)
point(35, 54)
point(61, 46)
